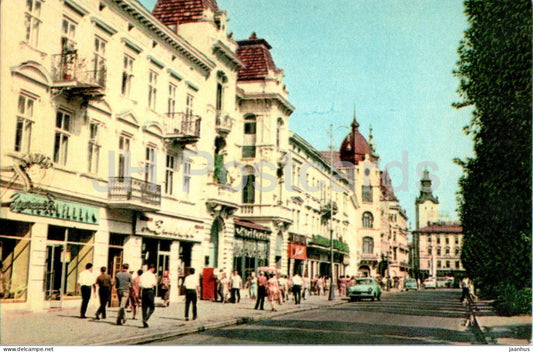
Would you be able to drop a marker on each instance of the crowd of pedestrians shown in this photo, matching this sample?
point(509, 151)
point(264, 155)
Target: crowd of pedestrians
point(136, 290)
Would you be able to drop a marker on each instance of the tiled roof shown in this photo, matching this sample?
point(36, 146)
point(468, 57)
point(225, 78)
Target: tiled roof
point(255, 55)
point(442, 227)
point(327, 156)
point(171, 12)
point(387, 191)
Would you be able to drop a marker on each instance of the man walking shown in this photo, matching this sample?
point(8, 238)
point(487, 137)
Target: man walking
point(261, 291)
point(236, 285)
point(123, 283)
point(86, 281)
point(147, 283)
point(191, 284)
point(103, 281)
point(297, 287)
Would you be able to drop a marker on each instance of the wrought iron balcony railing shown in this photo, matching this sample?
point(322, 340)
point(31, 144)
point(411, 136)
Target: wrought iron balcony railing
point(129, 189)
point(70, 71)
point(182, 127)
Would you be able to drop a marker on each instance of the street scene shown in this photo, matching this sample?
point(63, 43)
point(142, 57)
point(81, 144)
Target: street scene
point(222, 172)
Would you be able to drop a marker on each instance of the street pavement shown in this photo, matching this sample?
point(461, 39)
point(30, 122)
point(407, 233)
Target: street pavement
point(63, 327)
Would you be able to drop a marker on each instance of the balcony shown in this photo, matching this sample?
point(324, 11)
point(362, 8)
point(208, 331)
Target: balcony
point(369, 258)
point(134, 194)
point(255, 211)
point(221, 200)
point(223, 124)
point(182, 128)
point(70, 76)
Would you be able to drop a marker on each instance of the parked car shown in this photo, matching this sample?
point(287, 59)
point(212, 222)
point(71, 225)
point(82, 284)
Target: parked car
point(364, 288)
point(441, 282)
point(450, 282)
point(410, 284)
point(430, 283)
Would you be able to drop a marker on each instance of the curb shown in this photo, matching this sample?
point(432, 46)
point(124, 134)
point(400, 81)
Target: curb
point(155, 336)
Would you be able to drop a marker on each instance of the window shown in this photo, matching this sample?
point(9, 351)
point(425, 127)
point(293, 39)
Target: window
point(439, 264)
point(169, 175)
point(123, 156)
point(278, 132)
point(368, 220)
point(149, 165)
point(368, 245)
point(438, 251)
point(429, 239)
point(447, 251)
point(250, 125)
point(447, 263)
point(94, 147)
point(438, 240)
point(248, 192)
point(62, 136)
point(447, 240)
point(127, 75)
point(367, 193)
point(457, 265)
point(189, 104)
point(152, 89)
point(68, 34)
point(456, 239)
point(32, 21)
point(99, 59)
point(430, 251)
point(457, 251)
point(187, 175)
point(171, 104)
point(24, 124)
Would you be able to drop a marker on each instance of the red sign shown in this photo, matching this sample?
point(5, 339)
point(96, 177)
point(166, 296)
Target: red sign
point(297, 251)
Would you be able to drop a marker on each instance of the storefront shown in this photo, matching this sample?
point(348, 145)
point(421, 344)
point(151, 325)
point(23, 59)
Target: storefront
point(319, 257)
point(45, 243)
point(251, 247)
point(170, 244)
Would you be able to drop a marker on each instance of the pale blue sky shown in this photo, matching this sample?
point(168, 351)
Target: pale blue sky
point(392, 59)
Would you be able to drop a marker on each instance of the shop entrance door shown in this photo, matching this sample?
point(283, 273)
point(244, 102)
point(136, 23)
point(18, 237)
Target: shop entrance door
point(54, 280)
point(162, 265)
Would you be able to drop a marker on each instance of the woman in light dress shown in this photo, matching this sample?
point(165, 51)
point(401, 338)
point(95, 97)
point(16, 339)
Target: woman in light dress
point(272, 291)
point(253, 286)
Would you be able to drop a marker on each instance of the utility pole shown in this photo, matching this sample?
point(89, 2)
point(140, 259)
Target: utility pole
point(331, 288)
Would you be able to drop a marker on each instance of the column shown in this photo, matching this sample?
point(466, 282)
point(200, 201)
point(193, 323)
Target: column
point(173, 270)
point(35, 293)
point(132, 252)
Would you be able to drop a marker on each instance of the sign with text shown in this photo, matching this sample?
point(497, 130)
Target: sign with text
point(48, 206)
point(297, 251)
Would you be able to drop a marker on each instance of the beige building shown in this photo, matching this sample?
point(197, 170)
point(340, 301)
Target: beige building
point(156, 138)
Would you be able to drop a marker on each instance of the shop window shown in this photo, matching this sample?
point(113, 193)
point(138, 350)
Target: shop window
point(14, 260)
point(68, 251)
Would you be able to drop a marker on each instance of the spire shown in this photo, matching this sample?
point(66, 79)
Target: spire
point(426, 193)
point(355, 124)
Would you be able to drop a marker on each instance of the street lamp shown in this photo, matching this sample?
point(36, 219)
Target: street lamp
point(331, 289)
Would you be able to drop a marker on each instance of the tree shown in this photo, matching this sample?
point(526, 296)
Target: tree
point(494, 70)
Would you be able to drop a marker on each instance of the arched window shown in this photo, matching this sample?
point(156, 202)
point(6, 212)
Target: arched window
point(248, 192)
point(368, 220)
point(368, 245)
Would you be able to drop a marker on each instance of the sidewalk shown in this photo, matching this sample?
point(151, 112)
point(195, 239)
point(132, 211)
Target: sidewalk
point(501, 330)
point(64, 327)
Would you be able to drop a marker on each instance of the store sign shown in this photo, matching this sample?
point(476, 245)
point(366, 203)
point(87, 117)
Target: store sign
point(255, 234)
point(166, 228)
point(297, 251)
point(48, 206)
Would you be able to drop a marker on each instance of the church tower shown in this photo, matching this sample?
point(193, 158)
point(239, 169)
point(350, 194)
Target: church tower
point(426, 204)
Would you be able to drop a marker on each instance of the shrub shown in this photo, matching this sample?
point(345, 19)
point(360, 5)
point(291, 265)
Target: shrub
point(513, 301)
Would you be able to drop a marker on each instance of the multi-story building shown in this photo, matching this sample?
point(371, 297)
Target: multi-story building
point(156, 138)
point(436, 244)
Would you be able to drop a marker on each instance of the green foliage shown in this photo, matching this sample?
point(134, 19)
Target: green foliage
point(494, 70)
point(511, 301)
point(324, 242)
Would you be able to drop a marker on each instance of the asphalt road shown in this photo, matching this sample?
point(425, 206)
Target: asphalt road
point(424, 317)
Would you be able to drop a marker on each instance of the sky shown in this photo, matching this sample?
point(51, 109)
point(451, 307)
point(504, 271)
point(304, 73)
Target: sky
point(391, 61)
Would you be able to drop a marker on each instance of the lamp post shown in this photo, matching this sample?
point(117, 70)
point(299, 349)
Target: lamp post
point(331, 289)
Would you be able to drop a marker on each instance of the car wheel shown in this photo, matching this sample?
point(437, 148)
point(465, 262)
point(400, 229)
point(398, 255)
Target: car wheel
point(372, 298)
point(352, 299)
point(379, 297)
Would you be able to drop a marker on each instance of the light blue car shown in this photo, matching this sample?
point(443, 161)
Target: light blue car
point(364, 288)
point(410, 284)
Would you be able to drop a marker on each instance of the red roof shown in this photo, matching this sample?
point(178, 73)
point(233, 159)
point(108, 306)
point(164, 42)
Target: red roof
point(354, 147)
point(255, 55)
point(442, 227)
point(171, 12)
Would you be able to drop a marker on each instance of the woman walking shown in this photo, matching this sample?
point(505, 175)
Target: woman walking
point(253, 286)
point(135, 294)
point(164, 285)
point(272, 291)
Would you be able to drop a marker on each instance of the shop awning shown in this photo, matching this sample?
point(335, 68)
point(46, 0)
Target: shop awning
point(251, 225)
